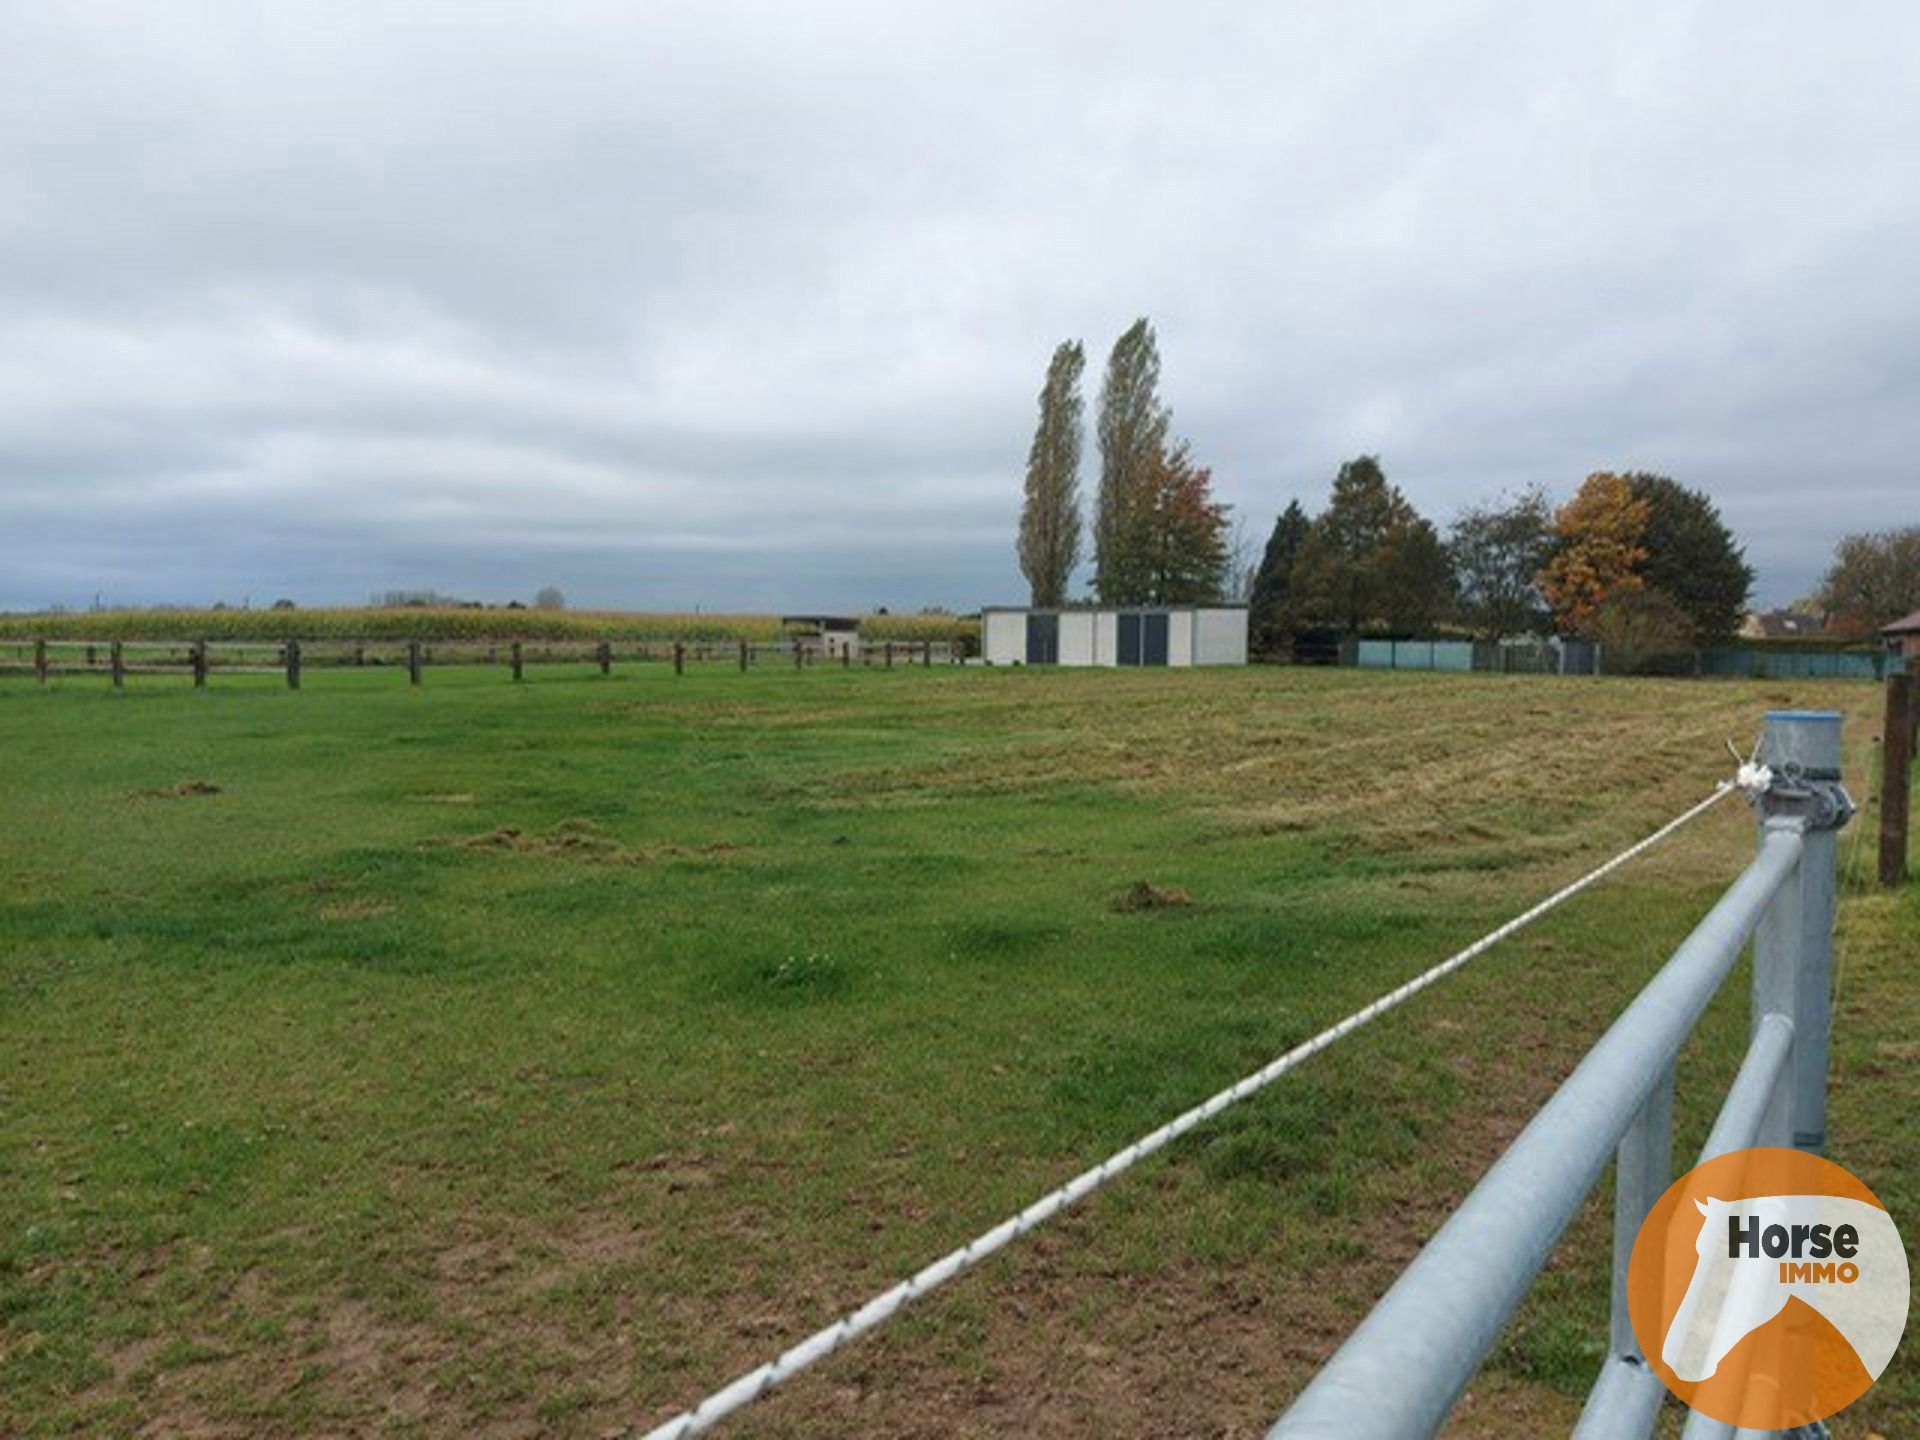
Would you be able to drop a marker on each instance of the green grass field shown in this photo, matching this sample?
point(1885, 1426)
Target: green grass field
point(510, 1060)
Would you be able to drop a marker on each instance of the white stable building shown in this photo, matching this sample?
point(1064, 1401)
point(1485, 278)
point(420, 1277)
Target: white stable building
point(1115, 635)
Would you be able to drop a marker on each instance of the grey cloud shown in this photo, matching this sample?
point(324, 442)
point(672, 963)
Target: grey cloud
point(745, 305)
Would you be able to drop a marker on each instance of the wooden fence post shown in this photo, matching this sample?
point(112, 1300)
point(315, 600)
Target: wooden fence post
point(745, 654)
point(846, 656)
point(92, 656)
point(889, 654)
point(679, 658)
point(40, 660)
point(413, 662)
point(199, 664)
point(117, 661)
point(1896, 776)
point(926, 654)
point(606, 657)
point(514, 659)
point(293, 664)
point(798, 655)
point(359, 655)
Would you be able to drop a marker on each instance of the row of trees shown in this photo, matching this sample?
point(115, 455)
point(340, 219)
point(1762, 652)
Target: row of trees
point(1159, 538)
point(1635, 561)
point(1873, 581)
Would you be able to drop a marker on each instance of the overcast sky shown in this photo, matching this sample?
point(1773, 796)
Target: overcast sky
point(746, 306)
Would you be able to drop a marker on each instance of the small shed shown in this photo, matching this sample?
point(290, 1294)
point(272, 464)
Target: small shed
point(1128, 635)
point(1903, 636)
point(831, 635)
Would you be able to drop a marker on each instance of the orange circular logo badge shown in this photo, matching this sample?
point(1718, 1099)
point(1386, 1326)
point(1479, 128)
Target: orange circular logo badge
point(1768, 1288)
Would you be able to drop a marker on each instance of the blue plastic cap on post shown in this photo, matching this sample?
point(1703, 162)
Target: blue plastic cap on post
point(1807, 740)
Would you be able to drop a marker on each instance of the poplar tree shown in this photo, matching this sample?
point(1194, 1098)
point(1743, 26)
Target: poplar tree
point(1050, 520)
point(1133, 453)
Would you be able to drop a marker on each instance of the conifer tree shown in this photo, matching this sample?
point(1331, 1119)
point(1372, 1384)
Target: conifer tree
point(1268, 616)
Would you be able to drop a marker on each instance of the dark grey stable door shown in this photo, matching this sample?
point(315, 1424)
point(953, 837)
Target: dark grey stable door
point(1142, 640)
point(1043, 639)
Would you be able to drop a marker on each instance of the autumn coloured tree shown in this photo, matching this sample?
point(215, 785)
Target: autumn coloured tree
point(1050, 518)
point(1873, 581)
point(1598, 547)
point(1187, 533)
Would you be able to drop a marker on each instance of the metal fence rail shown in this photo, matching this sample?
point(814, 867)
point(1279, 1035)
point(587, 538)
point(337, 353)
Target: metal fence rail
point(1400, 1373)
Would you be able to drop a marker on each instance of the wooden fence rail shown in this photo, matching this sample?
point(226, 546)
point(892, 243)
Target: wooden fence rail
point(204, 660)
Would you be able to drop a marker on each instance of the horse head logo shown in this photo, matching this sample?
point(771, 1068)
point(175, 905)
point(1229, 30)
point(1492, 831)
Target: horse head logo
point(1753, 1256)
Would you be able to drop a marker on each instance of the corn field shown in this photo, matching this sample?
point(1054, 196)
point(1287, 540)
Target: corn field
point(454, 623)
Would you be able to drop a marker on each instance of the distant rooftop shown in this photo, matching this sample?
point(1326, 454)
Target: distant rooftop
point(1785, 625)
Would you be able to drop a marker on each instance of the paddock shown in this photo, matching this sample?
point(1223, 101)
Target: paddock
point(533, 1058)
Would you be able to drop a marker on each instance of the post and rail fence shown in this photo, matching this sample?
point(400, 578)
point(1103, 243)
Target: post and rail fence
point(1399, 1374)
point(202, 660)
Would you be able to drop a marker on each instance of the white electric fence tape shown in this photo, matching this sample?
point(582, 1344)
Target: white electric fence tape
point(756, 1383)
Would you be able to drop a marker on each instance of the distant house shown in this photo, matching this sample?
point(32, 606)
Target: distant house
point(1903, 636)
point(1783, 625)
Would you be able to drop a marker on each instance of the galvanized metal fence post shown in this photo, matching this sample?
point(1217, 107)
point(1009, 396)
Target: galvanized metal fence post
point(1793, 946)
point(1626, 1397)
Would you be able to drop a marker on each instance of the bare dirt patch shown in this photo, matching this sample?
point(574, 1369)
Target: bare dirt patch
point(180, 790)
point(584, 840)
point(1144, 895)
